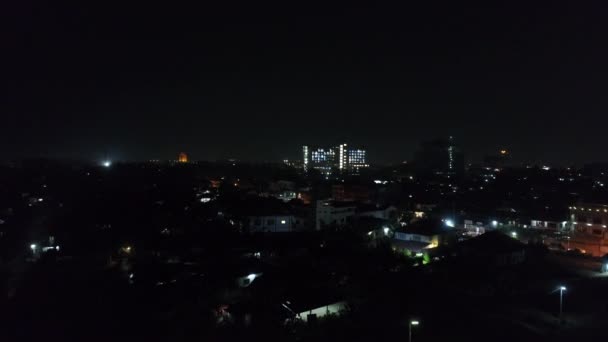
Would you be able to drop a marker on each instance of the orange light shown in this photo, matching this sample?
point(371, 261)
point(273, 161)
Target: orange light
point(183, 157)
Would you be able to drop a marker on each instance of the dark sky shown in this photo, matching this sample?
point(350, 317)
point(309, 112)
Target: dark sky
point(255, 82)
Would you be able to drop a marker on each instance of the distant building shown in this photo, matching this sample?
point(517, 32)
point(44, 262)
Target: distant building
point(590, 235)
point(275, 223)
point(323, 160)
point(182, 158)
point(330, 160)
point(549, 224)
point(330, 212)
point(493, 249)
point(356, 161)
point(441, 157)
point(387, 212)
point(296, 164)
point(589, 218)
point(421, 235)
point(321, 311)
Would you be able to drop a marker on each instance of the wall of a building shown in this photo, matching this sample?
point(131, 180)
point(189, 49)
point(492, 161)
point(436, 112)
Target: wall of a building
point(334, 308)
point(274, 224)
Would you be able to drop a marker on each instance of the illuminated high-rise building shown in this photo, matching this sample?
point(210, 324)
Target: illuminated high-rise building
point(440, 157)
point(183, 157)
point(356, 160)
point(339, 159)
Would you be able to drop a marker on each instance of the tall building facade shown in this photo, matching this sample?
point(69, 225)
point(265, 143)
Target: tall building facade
point(338, 159)
point(441, 157)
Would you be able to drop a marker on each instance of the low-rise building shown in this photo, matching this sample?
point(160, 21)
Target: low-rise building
point(322, 311)
point(275, 223)
point(423, 234)
point(330, 212)
point(385, 212)
point(589, 233)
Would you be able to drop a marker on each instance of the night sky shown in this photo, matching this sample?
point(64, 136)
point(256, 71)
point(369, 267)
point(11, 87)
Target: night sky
point(87, 79)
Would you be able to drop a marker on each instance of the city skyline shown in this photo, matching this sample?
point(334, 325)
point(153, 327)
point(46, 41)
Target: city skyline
point(251, 83)
point(230, 171)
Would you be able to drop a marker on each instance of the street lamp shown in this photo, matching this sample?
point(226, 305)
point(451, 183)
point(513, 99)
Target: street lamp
point(561, 300)
point(412, 322)
point(34, 248)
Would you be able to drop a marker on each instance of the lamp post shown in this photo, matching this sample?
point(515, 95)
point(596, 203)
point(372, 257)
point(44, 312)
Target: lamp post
point(412, 322)
point(561, 300)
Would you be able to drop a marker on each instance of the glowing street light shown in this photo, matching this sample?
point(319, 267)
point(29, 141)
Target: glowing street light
point(414, 323)
point(514, 235)
point(561, 300)
point(106, 163)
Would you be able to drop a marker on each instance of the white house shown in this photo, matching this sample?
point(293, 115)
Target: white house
point(330, 212)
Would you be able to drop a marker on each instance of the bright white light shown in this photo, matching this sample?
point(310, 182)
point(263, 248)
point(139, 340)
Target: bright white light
point(514, 234)
point(33, 246)
point(106, 163)
point(251, 277)
point(369, 233)
point(562, 288)
point(283, 221)
point(40, 199)
point(386, 230)
point(205, 199)
point(494, 223)
point(449, 223)
point(414, 322)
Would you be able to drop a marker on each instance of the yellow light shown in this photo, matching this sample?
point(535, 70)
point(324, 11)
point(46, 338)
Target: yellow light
point(183, 157)
point(503, 152)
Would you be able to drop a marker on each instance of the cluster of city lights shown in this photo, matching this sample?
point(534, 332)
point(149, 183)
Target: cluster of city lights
point(589, 209)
